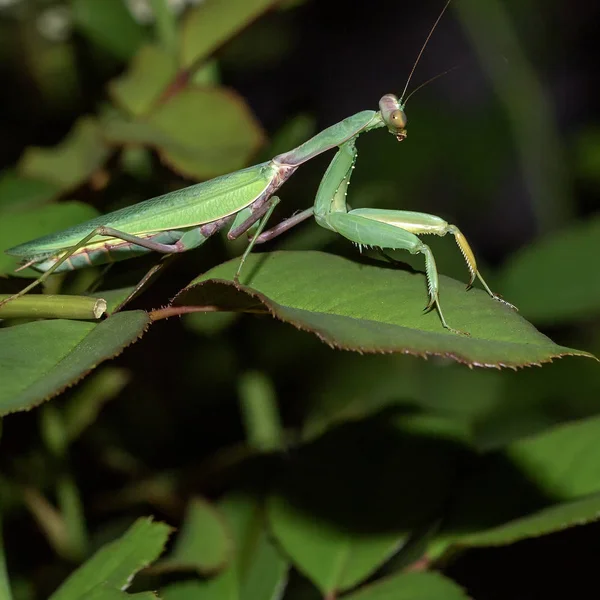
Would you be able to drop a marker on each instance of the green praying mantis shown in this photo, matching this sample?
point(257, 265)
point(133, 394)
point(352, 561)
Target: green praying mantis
point(244, 200)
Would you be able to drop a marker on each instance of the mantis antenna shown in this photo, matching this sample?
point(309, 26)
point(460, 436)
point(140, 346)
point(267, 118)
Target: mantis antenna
point(422, 50)
point(430, 80)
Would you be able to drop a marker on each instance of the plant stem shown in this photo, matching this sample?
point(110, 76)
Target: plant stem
point(39, 306)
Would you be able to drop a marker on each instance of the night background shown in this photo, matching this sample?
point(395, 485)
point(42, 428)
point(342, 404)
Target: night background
point(293, 463)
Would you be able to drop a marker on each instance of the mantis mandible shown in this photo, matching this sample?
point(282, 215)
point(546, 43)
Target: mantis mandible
point(244, 200)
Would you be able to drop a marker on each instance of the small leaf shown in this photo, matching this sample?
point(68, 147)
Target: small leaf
point(548, 520)
point(22, 193)
point(209, 131)
point(19, 227)
point(410, 586)
point(115, 564)
point(40, 359)
point(553, 281)
point(212, 23)
point(148, 76)
point(204, 543)
point(72, 162)
point(367, 308)
point(109, 24)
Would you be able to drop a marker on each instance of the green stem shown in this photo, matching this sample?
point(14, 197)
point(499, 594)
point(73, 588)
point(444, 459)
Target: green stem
point(71, 509)
point(166, 25)
point(52, 307)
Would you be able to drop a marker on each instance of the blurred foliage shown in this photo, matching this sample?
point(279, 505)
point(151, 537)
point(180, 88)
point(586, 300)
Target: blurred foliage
point(293, 469)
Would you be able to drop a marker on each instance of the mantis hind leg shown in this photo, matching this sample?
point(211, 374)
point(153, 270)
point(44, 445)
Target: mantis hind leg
point(422, 223)
point(189, 240)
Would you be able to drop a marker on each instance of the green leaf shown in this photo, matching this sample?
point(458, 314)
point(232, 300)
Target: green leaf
point(40, 359)
point(562, 461)
point(148, 76)
point(19, 227)
point(410, 586)
point(552, 281)
point(209, 132)
point(70, 163)
point(204, 543)
point(350, 500)
point(22, 193)
point(188, 590)
point(115, 564)
point(548, 520)
point(367, 308)
point(257, 570)
point(212, 23)
point(535, 485)
point(103, 593)
point(110, 25)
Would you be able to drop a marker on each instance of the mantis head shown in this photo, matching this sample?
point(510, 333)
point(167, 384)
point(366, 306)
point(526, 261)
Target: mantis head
point(392, 112)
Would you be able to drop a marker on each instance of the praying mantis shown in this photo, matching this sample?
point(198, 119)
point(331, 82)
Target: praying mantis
point(243, 202)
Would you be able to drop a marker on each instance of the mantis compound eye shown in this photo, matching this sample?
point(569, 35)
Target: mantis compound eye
point(398, 119)
point(393, 115)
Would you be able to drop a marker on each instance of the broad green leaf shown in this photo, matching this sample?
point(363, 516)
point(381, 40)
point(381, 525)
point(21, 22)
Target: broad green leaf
point(553, 281)
point(19, 227)
point(22, 193)
point(367, 308)
point(40, 359)
point(563, 461)
point(149, 75)
point(543, 522)
point(203, 544)
point(350, 500)
point(116, 563)
point(210, 132)
point(331, 558)
point(411, 586)
point(528, 484)
point(212, 23)
point(70, 163)
point(110, 25)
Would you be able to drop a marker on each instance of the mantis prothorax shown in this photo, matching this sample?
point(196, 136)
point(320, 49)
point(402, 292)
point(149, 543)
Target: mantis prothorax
point(244, 200)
